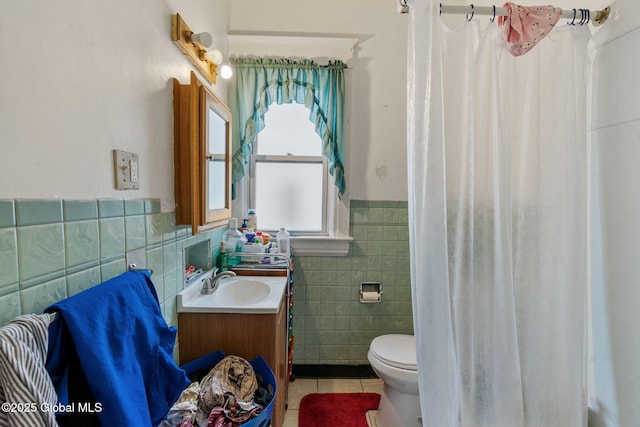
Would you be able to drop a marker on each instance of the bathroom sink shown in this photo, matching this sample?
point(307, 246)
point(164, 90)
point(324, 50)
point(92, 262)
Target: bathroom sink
point(243, 292)
point(238, 294)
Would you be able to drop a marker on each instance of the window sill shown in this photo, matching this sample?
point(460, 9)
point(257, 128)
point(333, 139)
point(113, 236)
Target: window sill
point(320, 245)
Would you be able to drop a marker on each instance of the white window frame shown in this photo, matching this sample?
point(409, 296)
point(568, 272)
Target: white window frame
point(337, 241)
point(255, 158)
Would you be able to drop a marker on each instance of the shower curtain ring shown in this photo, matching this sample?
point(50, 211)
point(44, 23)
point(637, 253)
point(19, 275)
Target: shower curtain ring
point(492, 19)
point(440, 9)
point(469, 18)
point(573, 21)
point(583, 17)
point(588, 16)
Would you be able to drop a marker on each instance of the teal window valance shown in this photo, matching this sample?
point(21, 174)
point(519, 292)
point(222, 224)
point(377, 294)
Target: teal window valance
point(261, 82)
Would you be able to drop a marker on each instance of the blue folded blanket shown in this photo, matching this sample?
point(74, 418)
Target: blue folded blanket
point(113, 337)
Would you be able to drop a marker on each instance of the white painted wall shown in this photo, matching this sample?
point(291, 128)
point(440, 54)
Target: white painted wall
point(616, 219)
point(80, 78)
point(377, 112)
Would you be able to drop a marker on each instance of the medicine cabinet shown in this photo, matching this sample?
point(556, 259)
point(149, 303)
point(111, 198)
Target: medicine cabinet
point(202, 156)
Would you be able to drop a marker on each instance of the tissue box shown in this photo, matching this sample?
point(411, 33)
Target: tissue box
point(261, 369)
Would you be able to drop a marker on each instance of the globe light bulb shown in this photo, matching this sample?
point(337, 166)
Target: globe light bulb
point(214, 56)
point(226, 71)
point(203, 39)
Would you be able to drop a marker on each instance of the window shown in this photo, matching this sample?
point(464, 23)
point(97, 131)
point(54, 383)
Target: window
point(295, 177)
point(289, 174)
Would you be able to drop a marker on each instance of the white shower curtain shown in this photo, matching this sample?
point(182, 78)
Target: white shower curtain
point(497, 209)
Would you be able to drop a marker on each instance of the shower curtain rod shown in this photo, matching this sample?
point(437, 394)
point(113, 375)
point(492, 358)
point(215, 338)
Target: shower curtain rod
point(580, 15)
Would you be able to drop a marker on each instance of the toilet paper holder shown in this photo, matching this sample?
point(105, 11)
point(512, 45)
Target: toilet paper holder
point(370, 292)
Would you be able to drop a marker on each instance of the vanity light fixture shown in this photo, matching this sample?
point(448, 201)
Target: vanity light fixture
point(194, 46)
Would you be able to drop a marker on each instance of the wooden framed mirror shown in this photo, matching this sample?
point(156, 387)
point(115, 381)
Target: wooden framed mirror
point(202, 156)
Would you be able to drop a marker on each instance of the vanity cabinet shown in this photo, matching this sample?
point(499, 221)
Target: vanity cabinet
point(202, 156)
point(244, 335)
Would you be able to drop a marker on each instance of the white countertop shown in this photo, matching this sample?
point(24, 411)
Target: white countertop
point(238, 294)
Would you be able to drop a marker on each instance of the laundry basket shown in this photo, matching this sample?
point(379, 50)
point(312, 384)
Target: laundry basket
point(261, 369)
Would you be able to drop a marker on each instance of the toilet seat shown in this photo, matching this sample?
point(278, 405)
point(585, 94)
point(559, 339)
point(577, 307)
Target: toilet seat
point(395, 350)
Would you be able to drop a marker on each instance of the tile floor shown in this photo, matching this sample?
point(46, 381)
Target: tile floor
point(303, 386)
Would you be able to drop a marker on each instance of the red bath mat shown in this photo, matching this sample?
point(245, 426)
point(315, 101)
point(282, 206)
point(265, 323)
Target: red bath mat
point(336, 409)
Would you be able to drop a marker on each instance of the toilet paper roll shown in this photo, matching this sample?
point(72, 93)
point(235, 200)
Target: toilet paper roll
point(369, 296)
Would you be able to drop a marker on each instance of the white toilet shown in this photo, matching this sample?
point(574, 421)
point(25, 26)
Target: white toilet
point(393, 358)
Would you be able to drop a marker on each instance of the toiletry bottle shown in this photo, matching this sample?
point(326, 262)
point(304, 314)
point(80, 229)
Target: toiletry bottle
point(274, 249)
point(283, 241)
point(232, 238)
point(241, 242)
point(253, 219)
point(258, 239)
point(223, 258)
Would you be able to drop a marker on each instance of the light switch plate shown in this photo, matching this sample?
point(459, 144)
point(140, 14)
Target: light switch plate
point(126, 169)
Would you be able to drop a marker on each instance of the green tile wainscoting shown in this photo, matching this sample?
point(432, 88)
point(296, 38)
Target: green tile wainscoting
point(52, 249)
point(330, 325)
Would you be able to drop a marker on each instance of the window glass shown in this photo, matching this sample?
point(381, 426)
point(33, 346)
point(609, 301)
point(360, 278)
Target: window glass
point(288, 130)
point(289, 195)
point(289, 172)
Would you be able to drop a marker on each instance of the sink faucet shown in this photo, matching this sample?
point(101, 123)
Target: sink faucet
point(210, 283)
